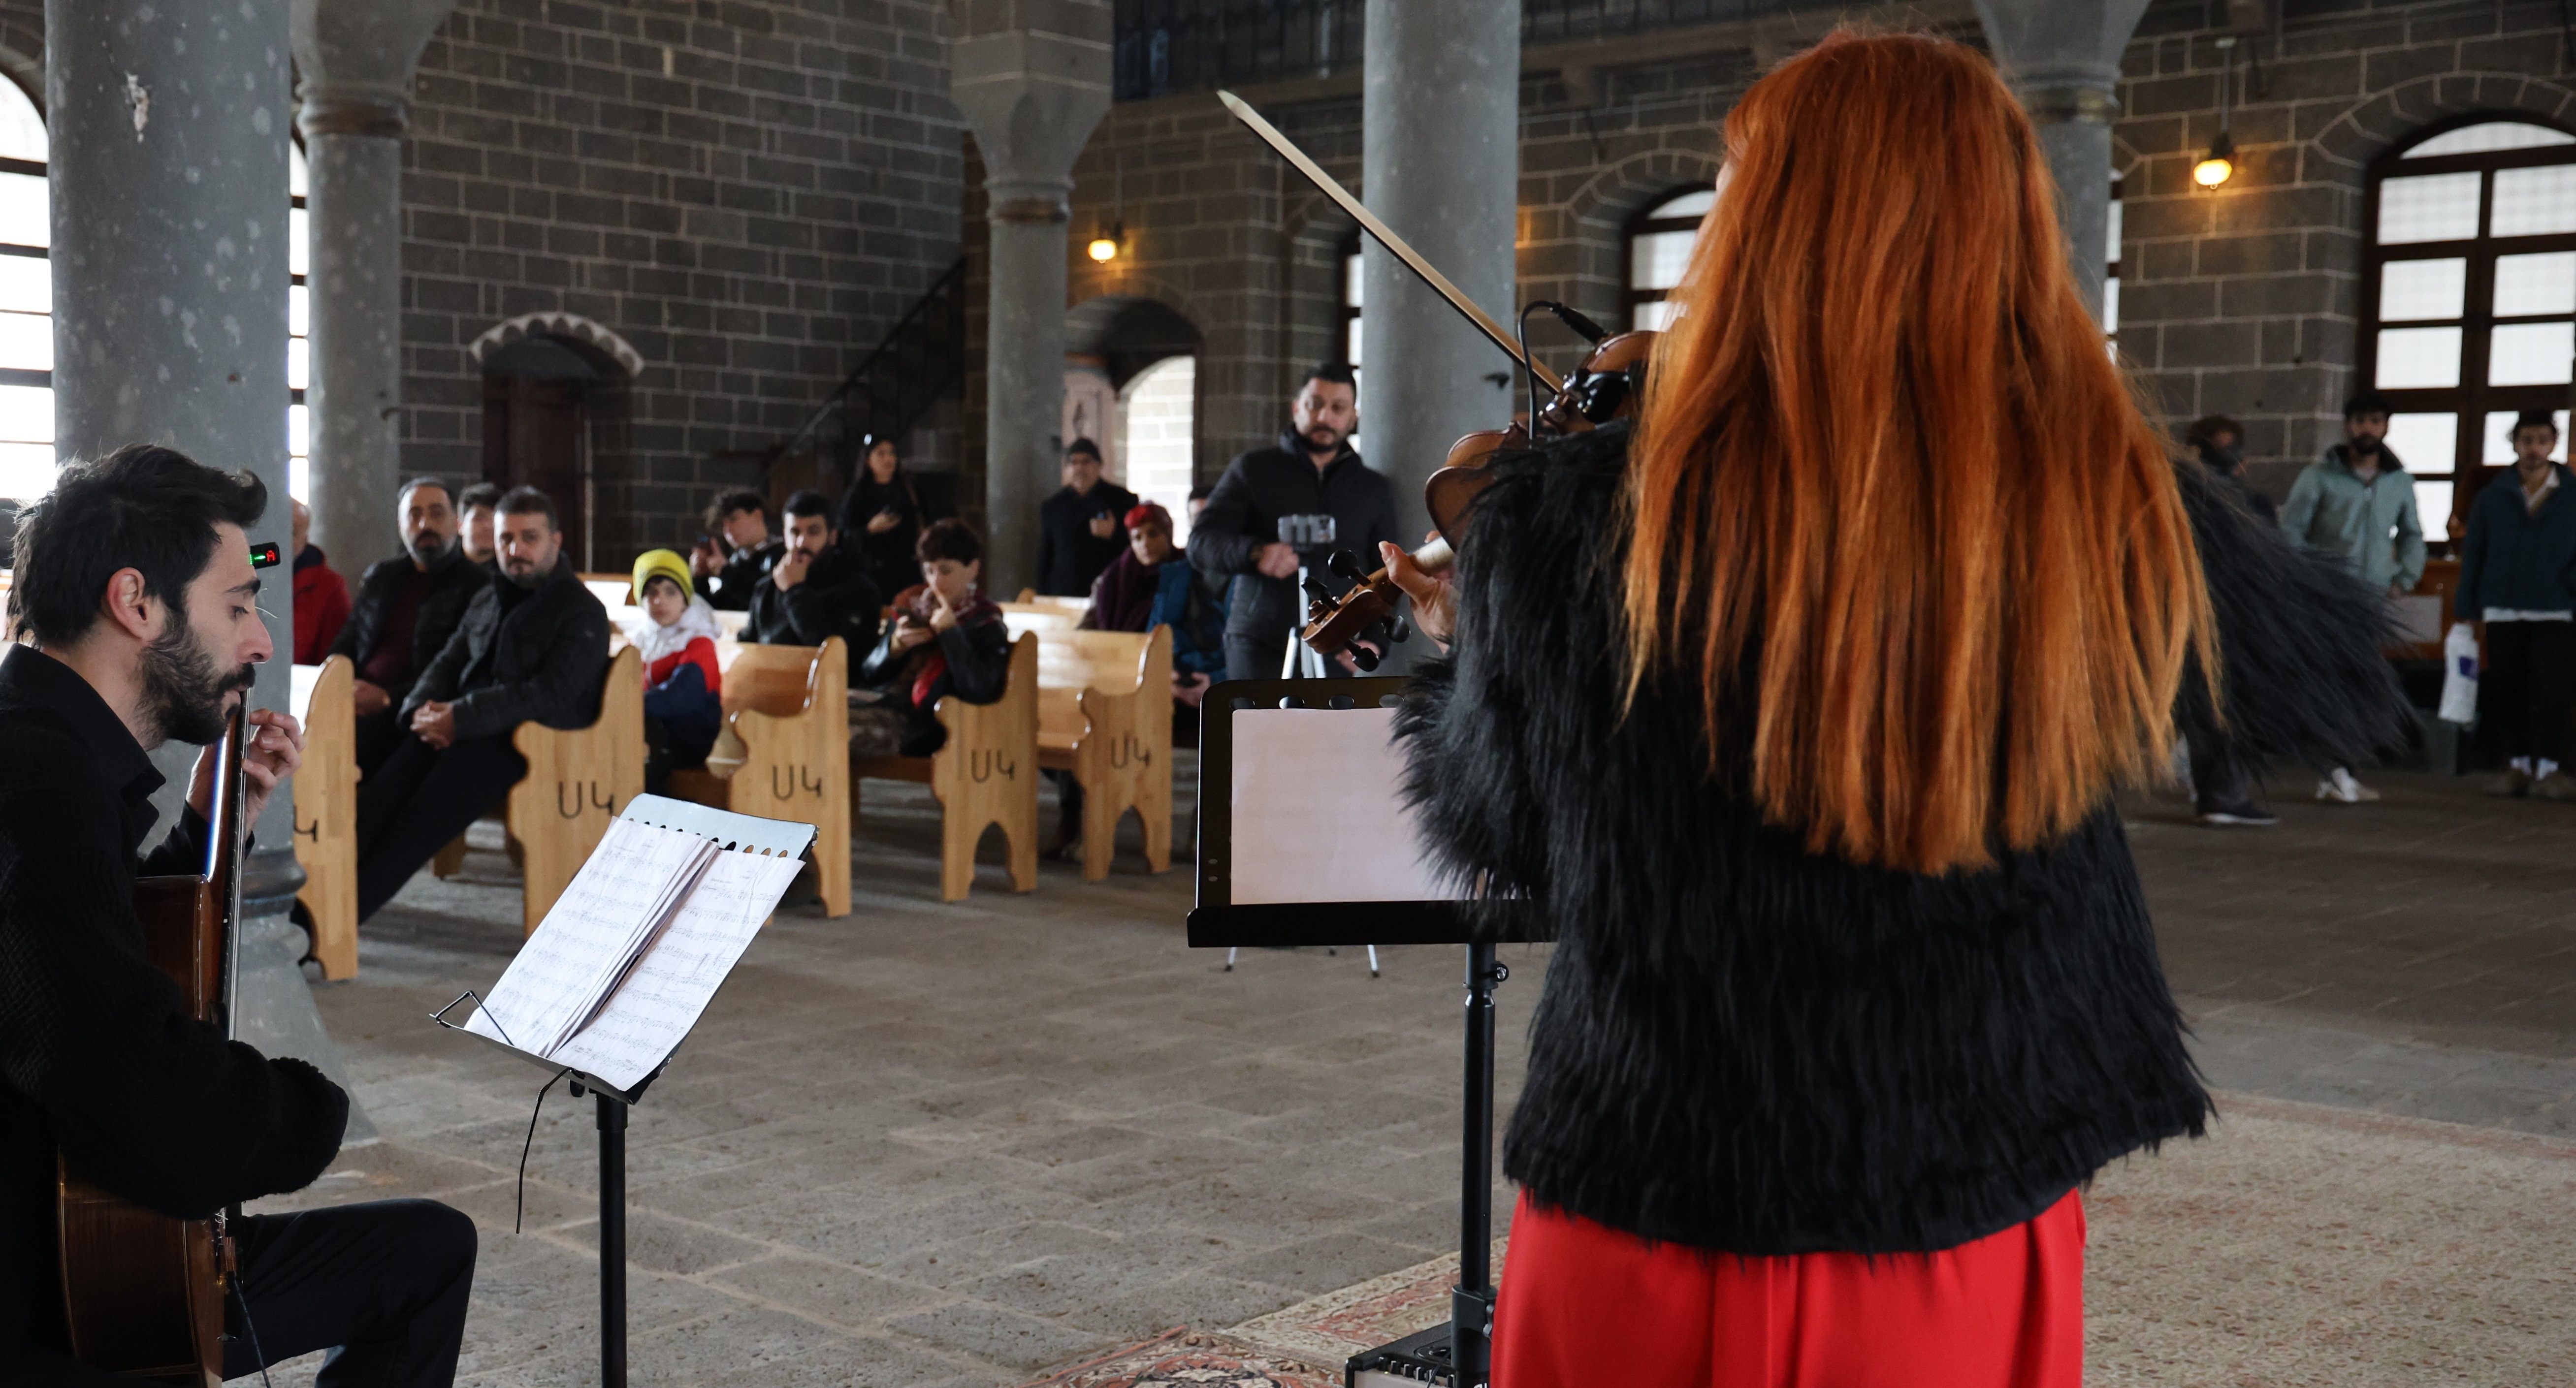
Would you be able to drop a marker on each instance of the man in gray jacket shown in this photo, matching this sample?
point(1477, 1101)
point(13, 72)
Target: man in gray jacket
point(531, 649)
point(1279, 508)
point(2358, 505)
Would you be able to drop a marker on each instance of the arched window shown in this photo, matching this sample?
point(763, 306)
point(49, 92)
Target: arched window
point(27, 305)
point(2469, 298)
point(26, 302)
point(1659, 245)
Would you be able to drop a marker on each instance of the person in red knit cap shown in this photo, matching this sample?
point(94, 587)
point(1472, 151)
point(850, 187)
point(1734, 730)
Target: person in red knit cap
point(683, 688)
point(321, 596)
point(1798, 709)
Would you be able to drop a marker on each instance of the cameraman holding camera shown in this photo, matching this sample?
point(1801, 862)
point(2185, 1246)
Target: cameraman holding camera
point(1278, 508)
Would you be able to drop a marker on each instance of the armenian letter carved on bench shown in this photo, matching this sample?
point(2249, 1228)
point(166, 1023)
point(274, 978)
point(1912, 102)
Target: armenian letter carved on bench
point(785, 751)
point(577, 781)
point(1105, 715)
point(986, 773)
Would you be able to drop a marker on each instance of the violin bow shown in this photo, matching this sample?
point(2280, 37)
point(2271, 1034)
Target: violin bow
point(1386, 236)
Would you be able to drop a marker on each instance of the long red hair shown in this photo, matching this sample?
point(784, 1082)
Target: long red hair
point(1893, 505)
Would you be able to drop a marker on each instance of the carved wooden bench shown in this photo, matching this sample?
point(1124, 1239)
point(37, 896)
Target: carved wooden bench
point(986, 773)
point(1105, 715)
point(785, 751)
point(326, 811)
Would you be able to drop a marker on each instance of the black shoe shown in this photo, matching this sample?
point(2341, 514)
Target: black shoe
point(2240, 814)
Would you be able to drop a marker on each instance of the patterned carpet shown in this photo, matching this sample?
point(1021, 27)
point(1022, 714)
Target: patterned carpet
point(1194, 1359)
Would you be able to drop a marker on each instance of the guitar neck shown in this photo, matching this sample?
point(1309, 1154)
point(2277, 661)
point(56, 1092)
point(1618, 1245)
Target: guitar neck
point(224, 839)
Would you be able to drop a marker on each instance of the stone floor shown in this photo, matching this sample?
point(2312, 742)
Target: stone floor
point(935, 1144)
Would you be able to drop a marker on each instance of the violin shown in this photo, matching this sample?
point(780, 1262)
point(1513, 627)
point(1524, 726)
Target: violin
point(145, 1292)
point(1607, 385)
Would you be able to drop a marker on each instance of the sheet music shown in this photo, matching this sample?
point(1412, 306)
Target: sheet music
point(671, 985)
point(566, 970)
point(1319, 814)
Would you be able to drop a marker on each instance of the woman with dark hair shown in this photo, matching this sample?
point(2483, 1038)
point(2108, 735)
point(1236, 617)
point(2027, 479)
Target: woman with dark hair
point(946, 638)
point(881, 517)
point(1800, 719)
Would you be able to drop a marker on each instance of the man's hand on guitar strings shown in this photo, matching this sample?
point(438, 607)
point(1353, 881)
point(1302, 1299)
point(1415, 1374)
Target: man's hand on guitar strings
point(1433, 611)
point(276, 749)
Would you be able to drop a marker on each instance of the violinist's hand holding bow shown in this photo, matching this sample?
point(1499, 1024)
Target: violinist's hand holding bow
point(1434, 611)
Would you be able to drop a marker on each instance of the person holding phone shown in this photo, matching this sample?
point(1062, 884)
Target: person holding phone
point(1079, 528)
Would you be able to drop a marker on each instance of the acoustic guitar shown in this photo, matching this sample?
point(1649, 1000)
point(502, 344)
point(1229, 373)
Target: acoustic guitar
point(145, 1292)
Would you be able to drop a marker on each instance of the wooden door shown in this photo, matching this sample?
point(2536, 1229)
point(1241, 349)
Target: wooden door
point(532, 437)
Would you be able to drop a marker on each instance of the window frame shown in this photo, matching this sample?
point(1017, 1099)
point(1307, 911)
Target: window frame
point(1644, 222)
point(1345, 286)
point(2473, 399)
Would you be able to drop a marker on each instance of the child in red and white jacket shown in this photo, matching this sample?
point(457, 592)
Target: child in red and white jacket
point(682, 684)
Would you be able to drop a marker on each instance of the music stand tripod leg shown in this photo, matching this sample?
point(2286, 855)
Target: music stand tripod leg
point(612, 1242)
point(1471, 1302)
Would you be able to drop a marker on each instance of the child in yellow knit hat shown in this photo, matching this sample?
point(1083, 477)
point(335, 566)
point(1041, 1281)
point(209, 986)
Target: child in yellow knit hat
point(682, 684)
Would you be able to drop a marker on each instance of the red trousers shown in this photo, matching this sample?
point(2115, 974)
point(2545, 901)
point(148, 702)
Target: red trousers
point(1585, 1305)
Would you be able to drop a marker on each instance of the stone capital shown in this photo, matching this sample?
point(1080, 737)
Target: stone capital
point(1032, 78)
point(2060, 45)
point(353, 48)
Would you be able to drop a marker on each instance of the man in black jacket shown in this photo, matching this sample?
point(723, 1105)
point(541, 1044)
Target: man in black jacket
point(1278, 508)
point(2518, 576)
point(1079, 528)
point(407, 607)
point(735, 553)
point(531, 649)
point(135, 584)
point(816, 589)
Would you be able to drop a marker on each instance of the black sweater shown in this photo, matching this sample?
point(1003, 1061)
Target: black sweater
point(94, 1052)
point(453, 582)
point(1243, 514)
point(1742, 1045)
point(2517, 557)
point(522, 655)
point(1069, 555)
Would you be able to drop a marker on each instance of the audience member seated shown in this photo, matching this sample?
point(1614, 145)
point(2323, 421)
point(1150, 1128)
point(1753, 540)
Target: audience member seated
point(1078, 532)
point(407, 608)
point(881, 518)
point(1151, 584)
point(321, 596)
point(946, 638)
point(532, 648)
point(683, 686)
point(816, 590)
point(478, 506)
point(735, 553)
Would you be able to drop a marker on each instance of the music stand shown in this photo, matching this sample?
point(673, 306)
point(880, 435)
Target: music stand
point(1220, 921)
point(730, 830)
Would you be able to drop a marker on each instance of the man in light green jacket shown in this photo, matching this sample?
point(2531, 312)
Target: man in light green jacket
point(2357, 504)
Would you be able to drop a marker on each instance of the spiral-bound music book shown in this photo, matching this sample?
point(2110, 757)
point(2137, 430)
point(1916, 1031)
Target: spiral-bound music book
point(634, 950)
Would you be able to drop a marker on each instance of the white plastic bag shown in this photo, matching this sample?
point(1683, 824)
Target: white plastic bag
point(2460, 675)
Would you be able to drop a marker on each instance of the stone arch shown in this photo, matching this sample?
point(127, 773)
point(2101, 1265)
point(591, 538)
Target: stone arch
point(1576, 249)
point(1120, 335)
point(599, 337)
point(2393, 117)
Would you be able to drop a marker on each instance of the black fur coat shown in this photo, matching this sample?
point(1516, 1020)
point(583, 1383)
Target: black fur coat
point(1745, 1046)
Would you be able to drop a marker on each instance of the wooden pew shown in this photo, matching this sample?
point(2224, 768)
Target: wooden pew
point(1065, 611)
point(986, 773)
point(326, 811)
point(785, 751)
point(577, 781)
point(1105, 715)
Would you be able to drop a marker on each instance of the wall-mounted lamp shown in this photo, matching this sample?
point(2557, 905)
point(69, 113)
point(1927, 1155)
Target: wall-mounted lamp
point(1105, 248)
point(2219, 165)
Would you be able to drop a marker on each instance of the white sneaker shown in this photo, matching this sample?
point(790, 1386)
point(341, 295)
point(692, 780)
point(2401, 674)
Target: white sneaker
point(2339, 788)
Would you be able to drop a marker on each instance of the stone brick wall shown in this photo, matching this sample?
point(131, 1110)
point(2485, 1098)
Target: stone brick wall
point(2245, 300)
point(746, 194)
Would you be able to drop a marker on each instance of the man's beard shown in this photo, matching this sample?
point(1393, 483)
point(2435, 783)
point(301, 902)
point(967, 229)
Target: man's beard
point(529, 576)
point(429, 547)
point(1322, 437)
point(2366, 445)
point(183, 688)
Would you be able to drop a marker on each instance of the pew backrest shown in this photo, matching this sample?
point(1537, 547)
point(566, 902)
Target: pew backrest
point(578, 780)
point(326, 810)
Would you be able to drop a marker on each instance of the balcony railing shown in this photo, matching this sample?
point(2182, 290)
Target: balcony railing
point(1168, 46)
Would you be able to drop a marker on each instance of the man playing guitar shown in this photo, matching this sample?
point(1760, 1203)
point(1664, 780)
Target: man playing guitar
point(134, 608)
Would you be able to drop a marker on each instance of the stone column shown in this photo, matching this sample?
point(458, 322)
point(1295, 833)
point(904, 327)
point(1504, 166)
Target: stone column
point(1440, 150)
point(357, 59)
point(2064, 58)
point(1032, 79)
point(168, 132)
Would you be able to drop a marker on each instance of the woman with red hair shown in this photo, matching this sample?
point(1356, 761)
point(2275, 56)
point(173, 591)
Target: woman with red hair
point(1801, 713)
